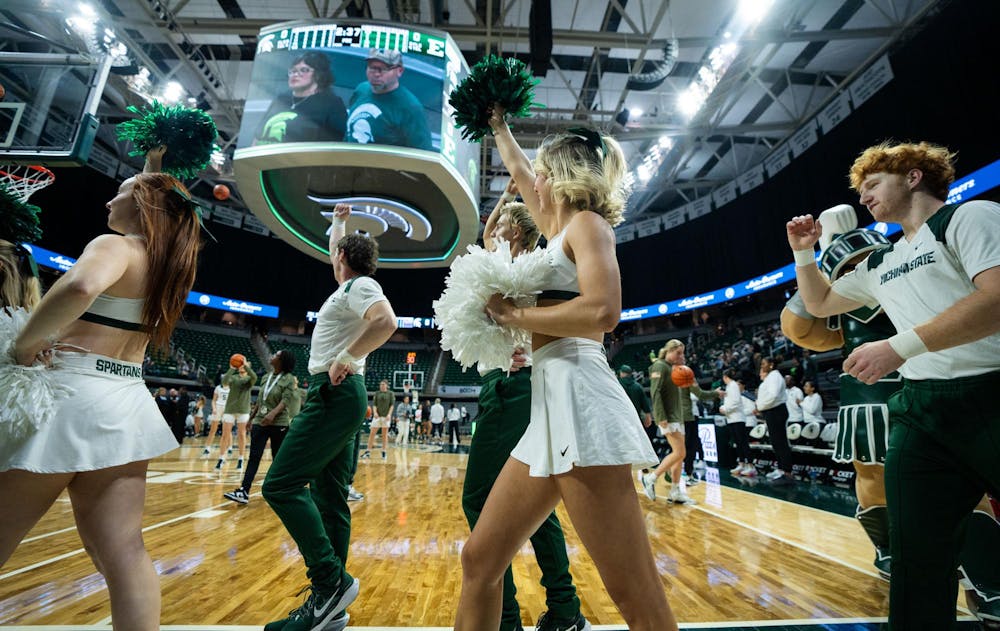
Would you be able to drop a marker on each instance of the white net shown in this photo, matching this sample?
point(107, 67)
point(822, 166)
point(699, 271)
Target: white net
point(24, 180)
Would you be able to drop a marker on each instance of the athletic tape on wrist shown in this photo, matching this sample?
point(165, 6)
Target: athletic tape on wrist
point(346, 358)
point(804, 257)
point(907, 344)
point(339, 222)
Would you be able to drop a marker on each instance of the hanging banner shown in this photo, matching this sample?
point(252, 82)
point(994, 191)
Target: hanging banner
point(648, 227)
point(871, 81)
point(753, 178)
point(804, 138)
point(837, 110)
point(624, 234)
point(227, 216)
point(778, 160)
point(254, 225)
point(699, 207)
point(673, 218)
point(724, 194)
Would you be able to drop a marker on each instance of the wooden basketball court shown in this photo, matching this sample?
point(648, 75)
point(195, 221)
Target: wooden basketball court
point(735, 560)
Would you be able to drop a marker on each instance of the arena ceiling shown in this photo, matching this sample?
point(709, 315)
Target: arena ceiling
point(624, 66)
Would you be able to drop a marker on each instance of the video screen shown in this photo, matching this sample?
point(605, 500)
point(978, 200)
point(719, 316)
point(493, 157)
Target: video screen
point(345, 82)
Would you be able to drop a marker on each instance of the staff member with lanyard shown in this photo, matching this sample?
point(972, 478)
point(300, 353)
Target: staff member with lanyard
point(270, 420)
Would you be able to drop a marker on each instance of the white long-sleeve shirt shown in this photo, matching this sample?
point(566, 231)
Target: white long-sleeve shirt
point(732, 405)
point(771, 392)
point(437, 413)
point(812, 408)
point(793, 401)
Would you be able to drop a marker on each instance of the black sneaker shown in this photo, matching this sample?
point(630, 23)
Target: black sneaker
point(548, 622)
point(321, 609)
point(239, 496)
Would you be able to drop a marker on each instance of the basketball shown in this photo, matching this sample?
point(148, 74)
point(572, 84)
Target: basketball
point(221, 192)
point(682, 376)
point(237, 360)
point(3, 92)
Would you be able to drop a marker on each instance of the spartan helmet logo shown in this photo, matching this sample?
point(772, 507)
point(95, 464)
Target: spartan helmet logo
point(361, 131)
point(276, 127)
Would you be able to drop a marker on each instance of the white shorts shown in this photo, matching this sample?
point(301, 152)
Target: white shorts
point(378, 422)
point(240, 419)
point(111, 420)
point(580, 414)
point(672, 428)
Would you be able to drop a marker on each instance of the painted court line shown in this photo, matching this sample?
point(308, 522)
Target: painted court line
point(66, 555)
point(794, 544)
point(802, 547)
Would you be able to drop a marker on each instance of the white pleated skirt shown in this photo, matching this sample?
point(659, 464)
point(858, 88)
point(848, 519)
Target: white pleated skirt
point(110, 420)
point(580, 414)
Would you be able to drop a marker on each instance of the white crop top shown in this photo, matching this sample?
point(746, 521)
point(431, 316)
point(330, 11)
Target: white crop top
point(563, 282)
point(117, 312)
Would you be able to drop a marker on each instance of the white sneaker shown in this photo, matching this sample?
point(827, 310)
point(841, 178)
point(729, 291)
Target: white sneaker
point(649, 485)
point(737, 470)
point(774, 475)
point(353, 495)
point(206, 453)
point(678, 496)
point(748, 471)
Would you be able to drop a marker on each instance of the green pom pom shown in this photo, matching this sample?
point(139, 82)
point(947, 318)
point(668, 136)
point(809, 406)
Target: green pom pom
point(189, 135)
point(492, 80)
point(18, 221)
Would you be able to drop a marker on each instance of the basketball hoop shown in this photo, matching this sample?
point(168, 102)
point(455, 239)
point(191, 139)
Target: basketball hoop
point(23, 180)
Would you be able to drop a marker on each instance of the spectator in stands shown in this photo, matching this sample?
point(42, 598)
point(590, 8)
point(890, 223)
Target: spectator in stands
point(437, 422)
point(732, 409)
point(270, 418)
point(404, 416)
point(454, 416)
point(812, 404)
point(307, 484)
point(163, 404)
point(178, 415)
point(199, 415)
point(219, 397)
point(771, 405)
point(383, 402)
point(240, 380)
point(793, 400)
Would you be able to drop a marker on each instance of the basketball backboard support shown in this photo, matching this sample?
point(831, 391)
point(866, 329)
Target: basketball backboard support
point(48, 114)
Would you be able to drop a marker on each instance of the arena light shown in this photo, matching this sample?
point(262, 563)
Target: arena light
point(82, 25)
point(173, 92)
point(644, 173)
point(751, 12)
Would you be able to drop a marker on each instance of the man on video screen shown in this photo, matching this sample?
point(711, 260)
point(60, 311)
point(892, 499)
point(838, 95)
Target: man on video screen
point(384, 112)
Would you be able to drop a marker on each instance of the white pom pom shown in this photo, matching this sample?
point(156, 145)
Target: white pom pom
point(29, 395)
point(466, 330)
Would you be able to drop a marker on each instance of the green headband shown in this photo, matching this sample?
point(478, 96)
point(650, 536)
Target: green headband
point(197, 208)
